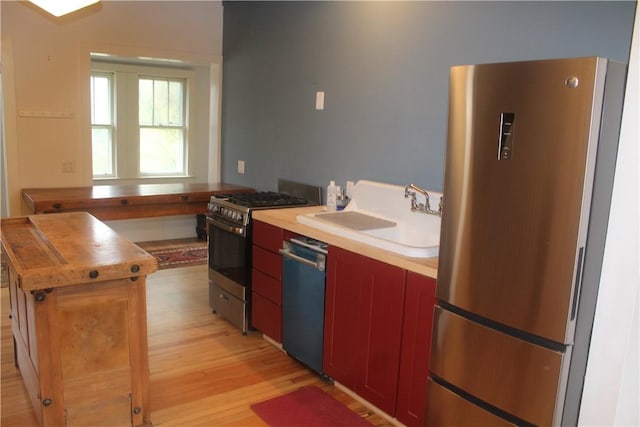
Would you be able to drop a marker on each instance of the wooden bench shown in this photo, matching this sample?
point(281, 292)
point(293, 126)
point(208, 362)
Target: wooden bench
point(109, 202)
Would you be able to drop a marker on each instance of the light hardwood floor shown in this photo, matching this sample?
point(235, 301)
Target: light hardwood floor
point(204, 372)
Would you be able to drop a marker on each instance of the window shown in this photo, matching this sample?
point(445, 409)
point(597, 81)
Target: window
point(139, 121)
point(102, 124)
point(162, 130)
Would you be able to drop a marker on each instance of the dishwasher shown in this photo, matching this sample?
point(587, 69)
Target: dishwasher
point(303, 285)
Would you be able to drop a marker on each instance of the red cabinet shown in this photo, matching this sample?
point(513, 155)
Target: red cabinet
point(381, 309)
point(266, 280)
point(377, 327)
point(342, 299)
point(377, 339)
point(363, 322)
point(416, 348)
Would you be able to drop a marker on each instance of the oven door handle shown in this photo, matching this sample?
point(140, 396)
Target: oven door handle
point(235, 230)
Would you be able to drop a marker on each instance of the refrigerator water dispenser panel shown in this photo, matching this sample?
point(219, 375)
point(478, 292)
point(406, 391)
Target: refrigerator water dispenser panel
point(505, 143)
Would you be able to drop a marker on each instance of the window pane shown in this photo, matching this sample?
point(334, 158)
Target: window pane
point(145, 101)
point(176, 90)
point(101, 100)
point(162, 151)
point(160, 103)
point(102, 152)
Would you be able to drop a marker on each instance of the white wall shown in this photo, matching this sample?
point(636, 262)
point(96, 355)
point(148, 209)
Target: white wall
point(155, 228)
point(46, 59)
point(611, 391)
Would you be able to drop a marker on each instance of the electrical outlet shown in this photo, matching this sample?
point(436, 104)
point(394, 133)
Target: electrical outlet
point(241, 167)
point(67, 167)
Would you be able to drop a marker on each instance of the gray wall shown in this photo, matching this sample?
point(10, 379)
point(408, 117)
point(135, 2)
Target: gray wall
point(384, 69)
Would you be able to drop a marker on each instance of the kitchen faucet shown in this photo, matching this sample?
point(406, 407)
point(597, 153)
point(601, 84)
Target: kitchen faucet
point(421, 207)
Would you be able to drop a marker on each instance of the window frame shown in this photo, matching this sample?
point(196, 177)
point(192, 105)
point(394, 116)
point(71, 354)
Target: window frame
point(126, 135)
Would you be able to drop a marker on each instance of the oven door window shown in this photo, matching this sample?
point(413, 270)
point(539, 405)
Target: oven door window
point(228, 254)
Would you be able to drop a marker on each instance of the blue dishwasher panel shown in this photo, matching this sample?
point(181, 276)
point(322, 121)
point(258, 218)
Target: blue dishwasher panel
point(303, 305)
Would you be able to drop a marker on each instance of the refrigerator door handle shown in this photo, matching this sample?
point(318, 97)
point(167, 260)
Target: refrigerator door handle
point(578, 284)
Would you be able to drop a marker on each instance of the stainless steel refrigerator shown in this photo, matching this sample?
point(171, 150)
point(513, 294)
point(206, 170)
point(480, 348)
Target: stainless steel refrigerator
point(529, 169)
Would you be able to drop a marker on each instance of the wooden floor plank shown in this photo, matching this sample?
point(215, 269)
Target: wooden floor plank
point(204, 372)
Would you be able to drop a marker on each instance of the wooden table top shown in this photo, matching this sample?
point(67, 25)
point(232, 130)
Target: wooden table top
point(64, 249)
point(108, 202)
point(33, 195)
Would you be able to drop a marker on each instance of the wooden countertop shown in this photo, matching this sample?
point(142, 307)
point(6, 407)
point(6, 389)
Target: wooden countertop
point(50, 251)
point(286, 218)
point(107, 202)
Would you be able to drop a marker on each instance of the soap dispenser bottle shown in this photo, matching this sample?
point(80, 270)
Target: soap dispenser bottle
point(332, 196)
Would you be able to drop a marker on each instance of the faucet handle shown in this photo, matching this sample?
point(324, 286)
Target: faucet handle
point(414, 201)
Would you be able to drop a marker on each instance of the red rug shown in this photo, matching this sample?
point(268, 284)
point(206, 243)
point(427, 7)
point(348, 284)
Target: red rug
point(307, 407)
point(177, 252)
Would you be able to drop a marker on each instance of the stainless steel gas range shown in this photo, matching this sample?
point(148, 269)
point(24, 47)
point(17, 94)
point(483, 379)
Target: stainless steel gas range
point(229, 233)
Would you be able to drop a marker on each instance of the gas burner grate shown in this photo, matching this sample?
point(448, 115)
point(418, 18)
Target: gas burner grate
point(261, 199)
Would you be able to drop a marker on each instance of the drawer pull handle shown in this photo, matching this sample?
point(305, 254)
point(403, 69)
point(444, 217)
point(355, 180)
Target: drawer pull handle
point(93, 274)
point(57, 205)
point(124, 202)
point(224, 297)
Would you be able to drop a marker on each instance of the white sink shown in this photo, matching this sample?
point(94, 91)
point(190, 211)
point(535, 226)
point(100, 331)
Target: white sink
point(385, 220)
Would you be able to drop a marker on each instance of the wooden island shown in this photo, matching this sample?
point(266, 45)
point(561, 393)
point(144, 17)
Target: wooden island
point(78, 314)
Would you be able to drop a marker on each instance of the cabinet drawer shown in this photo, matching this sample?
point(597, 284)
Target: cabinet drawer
point(267, 236)
point(266, 317)
point(445, 408)
point(497, 367)
point(267, 286)
point(267, 262)
point(228, 306)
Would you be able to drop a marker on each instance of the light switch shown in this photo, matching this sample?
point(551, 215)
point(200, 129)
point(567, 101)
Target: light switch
point(241, 167)
point(320, 100)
